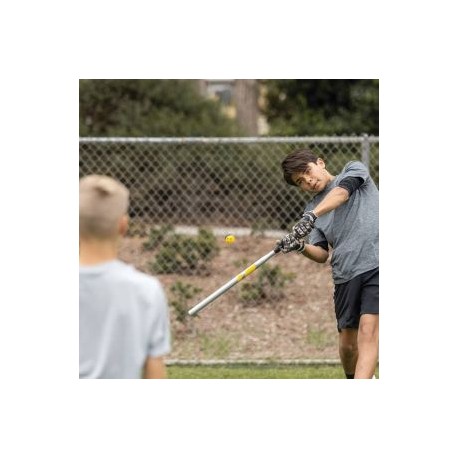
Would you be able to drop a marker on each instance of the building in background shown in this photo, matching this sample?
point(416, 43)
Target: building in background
point(241, 100)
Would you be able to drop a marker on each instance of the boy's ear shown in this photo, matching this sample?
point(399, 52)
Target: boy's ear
point(123, 225)
point(321, 163)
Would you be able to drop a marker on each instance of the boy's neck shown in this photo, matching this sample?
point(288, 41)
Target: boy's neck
point(98, 251)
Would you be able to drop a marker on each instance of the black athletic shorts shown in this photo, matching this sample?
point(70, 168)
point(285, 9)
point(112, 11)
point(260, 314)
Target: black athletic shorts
point(356, 297)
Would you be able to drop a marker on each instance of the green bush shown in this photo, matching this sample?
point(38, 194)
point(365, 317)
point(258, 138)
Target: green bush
point(268, 287)
point(206, 242)
point(157, 236)
point(186, 255)
point(182, 292)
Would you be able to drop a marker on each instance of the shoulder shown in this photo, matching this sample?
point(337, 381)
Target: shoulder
point(354, 165)
point(148, 290)
point(353, 169)
point(142, 278)
point(139, 279)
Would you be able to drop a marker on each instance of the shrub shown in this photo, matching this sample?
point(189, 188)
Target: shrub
point(206, 242)
point(186, 255)
point(182, 293)
point(268, 287)
point(157, 236)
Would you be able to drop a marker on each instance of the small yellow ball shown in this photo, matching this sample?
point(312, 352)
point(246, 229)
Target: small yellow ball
point(229, 239)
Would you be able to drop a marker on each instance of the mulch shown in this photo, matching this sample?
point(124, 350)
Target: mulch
point(299, 325)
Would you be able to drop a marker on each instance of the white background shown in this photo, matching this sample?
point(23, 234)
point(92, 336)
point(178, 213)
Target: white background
point(46, 410)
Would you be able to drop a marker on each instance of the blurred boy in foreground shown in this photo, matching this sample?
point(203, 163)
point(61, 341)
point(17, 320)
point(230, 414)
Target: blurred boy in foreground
point(123, 313)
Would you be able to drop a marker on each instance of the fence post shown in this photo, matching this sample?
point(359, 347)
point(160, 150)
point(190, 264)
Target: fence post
point(365, 151)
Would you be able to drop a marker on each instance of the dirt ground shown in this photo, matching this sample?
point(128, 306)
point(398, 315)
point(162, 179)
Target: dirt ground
point(299, 326)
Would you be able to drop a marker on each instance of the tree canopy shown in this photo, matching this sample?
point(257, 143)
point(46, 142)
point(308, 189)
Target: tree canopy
point(149, 108)
point(322, 107)
point(174, 108)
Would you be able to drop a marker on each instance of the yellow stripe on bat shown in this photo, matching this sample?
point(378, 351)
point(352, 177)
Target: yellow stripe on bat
point(246, 272)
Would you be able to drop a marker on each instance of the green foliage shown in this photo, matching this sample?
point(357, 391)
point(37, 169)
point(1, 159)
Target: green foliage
point(268, 286)
point(186, 255)
point(207, 244)
point(322, 107)
point(203, 184)
point(182, 293)
point(149, 108)
point(156, 236)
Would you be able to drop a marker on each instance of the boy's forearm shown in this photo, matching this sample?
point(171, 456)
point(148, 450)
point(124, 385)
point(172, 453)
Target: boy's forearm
point(334, 199)
point(315, 253)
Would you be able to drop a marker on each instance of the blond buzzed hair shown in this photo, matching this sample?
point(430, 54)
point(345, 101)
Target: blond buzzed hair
point(103, 201)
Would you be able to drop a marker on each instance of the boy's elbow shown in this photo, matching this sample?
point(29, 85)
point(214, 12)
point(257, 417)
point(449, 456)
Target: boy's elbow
point(321, 257)
point(324, 257)
point(344, 194)
point(316, 254)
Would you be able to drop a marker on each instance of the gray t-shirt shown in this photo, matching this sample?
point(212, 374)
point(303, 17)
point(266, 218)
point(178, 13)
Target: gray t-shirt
point(123, 319)
point(351, 229)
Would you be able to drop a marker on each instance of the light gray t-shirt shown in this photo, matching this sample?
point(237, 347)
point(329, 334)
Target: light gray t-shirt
point(351, 229)
point(123, 319)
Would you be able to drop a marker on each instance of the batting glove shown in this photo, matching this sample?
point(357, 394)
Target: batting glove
point(304, 226)
point(290, 243)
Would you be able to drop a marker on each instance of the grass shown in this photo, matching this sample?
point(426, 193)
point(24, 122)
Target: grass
point(253, 371)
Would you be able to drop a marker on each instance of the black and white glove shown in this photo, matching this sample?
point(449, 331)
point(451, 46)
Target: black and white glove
point(304, 226)
point(289, 243)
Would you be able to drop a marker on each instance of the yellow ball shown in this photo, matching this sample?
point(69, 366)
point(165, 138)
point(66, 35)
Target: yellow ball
point(229, 239)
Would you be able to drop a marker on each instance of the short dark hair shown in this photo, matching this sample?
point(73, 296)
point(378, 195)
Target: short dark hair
point(296, 162)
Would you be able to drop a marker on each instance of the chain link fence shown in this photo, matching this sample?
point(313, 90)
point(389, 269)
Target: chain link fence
point(186, 194)
point(215, 182)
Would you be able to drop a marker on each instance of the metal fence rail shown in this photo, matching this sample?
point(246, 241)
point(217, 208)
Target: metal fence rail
point(215, 181)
